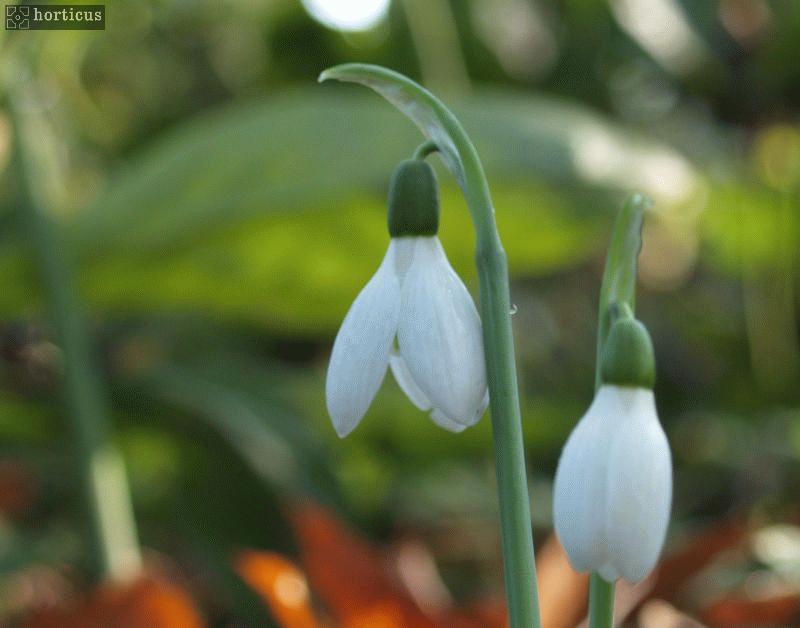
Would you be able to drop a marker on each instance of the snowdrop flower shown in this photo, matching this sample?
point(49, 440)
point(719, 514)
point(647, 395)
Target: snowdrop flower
point(613, 485)
point(414, 316)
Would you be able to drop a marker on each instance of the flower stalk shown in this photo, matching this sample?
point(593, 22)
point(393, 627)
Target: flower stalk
point(618, 288)
point(444, 131)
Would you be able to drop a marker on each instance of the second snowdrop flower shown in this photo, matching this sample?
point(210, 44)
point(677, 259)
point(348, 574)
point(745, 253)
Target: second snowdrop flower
point(414, 316)
point(613, 485)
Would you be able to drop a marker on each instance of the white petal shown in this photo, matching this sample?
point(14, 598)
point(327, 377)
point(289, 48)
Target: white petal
point(406, 382)
point(579, 493)
point(361, 350)
point(442, 420)
point(482, 407)
point(640, 487)
point(439, 335)
point(445, 422)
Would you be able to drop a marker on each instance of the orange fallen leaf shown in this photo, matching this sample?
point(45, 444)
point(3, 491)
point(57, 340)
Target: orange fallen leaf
point(562, 591)
point(351, 576)
point(679, 566)
point(17, 488)
point(661, 614)
point(281, 584)
point(736, 611)
point(488, 613)
point(146, 603)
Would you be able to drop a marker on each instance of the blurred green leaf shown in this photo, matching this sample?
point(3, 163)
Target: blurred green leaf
point(273, 212)
point(233, 397)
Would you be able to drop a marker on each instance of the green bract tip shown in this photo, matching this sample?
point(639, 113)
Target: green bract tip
point(413, 200)
point(628, 358)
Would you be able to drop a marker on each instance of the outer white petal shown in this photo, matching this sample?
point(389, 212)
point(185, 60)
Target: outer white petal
point(579, 494)
point(439, 335)
point(640, 487)
point(361, 350)
point(445, 422)
point(442, 420)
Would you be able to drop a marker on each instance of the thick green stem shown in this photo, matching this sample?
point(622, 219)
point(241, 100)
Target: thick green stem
point(440, 126)
point(618, 287)
point(113, 540)
point(515, 516)
point(501, 371)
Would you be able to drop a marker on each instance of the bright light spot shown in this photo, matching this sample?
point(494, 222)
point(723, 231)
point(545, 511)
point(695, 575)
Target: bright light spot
point(290, 588)
point(603, 157)
point(663, 30)
point(778, 545)
point(347, 15)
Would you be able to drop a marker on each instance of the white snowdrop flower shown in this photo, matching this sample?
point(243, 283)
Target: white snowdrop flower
point(415, 316)
point(613, 486)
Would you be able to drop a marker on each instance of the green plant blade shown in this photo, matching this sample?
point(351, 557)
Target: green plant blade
point(619, 275)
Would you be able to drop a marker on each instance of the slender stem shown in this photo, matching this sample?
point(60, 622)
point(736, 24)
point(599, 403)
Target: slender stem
point(113, 540)
point(439, 124)
point(619, 286)
point(601, 602)
point(425, 149)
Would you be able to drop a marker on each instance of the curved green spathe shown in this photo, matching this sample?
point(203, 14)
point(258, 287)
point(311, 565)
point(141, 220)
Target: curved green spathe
point(619, 276)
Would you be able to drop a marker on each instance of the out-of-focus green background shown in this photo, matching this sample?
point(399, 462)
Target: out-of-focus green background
point(223, 209)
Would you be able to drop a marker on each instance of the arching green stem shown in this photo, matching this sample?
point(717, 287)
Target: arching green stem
point(441, 127)
point(425, 149)
point(618, 288)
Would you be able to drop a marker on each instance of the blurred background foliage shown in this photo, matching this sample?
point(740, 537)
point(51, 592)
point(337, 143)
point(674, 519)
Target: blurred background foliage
point(223, 210)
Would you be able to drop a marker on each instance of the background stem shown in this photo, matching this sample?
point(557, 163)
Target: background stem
point(114, 546)
point(619, 286)
point(435, 39)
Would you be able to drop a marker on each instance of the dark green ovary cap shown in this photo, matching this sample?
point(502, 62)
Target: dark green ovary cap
point(413, 200)
point(628, 358)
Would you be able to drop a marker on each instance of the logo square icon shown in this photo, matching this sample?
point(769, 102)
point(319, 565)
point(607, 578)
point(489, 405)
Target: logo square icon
point(18, 17)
